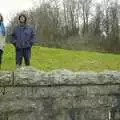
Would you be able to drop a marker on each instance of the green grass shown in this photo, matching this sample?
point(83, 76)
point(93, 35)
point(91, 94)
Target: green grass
point(49, 59)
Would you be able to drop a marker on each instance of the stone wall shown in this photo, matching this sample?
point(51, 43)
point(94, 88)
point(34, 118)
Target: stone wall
point(29, 94)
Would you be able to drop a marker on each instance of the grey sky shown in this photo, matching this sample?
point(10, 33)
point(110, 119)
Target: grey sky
point(9, 7)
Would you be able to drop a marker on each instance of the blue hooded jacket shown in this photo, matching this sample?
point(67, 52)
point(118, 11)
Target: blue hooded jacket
point(3, 34)
point(2, 29)
point(23, 36)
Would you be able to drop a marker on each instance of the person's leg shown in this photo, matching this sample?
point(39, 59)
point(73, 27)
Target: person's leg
point(1, 53)
point(27, 56)
point(19, 56)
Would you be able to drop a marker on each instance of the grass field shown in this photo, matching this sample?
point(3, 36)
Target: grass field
point(49, 59)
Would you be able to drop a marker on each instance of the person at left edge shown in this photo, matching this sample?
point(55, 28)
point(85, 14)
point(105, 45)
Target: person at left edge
point(3, 34)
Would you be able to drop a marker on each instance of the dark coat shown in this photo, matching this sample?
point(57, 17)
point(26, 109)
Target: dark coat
point(23, 36)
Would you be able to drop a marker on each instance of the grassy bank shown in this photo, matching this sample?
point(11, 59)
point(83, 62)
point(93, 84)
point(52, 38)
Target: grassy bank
point(49, 59)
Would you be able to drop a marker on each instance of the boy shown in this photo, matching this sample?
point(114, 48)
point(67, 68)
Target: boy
point(23, 38)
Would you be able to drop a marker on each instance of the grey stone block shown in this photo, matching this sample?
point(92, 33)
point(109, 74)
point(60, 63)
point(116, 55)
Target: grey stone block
point(6, 78)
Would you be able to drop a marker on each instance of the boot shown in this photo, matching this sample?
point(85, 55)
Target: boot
point(18, 66)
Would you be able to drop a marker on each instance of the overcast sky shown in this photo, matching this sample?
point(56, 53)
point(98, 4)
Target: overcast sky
point(9, 7)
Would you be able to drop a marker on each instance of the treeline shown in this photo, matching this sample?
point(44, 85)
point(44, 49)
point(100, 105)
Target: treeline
point(75, 24)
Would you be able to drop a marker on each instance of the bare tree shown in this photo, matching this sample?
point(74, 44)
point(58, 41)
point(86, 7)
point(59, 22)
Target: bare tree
point(85, 7)
point(57, 21)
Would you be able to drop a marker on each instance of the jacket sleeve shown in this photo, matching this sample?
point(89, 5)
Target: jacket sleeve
point(5, 36)
point(33, 38)
point(3, 29)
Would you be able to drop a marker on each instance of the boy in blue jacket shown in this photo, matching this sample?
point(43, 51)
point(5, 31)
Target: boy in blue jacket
point(23, 38)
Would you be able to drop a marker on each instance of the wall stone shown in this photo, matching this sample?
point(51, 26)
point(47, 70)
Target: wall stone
point(29, 94)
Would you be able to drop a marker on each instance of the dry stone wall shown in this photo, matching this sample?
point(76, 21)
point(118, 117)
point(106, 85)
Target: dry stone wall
point(29, 94)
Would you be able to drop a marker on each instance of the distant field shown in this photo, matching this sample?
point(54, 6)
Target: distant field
point(49, 59)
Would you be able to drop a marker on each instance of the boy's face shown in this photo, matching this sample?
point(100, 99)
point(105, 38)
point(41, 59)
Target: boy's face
point(22, 19)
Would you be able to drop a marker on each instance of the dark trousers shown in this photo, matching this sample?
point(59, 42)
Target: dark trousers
point(1, 53)
point(23, 53)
